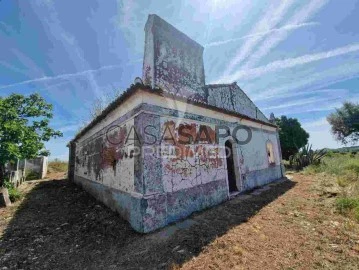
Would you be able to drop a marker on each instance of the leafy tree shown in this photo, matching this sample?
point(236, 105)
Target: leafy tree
point(345, 123)
point(24, 127)
point(291, 135)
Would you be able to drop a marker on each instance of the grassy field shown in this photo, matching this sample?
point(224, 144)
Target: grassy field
point(57, 166)
point(338, 175)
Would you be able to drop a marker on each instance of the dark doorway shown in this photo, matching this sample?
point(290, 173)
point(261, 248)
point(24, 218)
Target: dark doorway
point(230, 167)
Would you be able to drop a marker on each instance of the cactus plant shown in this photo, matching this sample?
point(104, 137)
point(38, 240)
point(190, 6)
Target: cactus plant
point(306, 156)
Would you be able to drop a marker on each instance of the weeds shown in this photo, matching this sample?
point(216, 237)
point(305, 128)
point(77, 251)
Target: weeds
point(31, 175)
point(342, 170)
point(348, 206)
point(14, 193)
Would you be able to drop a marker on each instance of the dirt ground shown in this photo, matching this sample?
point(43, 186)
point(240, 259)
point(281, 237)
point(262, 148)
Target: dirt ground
point(289, 226)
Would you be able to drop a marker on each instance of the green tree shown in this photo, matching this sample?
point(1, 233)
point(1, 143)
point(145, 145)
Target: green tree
point(24, 127)
point(291, 135)
point(345, 123)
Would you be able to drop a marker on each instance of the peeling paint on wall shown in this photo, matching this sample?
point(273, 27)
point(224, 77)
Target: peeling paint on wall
point(191, 164)
point(108, 158)
point(231, 97)
point(172, 61)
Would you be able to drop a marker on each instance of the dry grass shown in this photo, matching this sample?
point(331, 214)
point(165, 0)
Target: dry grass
point(57, 166)
point(338, 177)
point(290, 226)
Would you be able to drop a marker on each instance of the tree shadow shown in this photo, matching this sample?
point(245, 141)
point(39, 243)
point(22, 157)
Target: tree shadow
point(60, 226)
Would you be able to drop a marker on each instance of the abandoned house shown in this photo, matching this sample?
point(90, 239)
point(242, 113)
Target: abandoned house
point(171, 145)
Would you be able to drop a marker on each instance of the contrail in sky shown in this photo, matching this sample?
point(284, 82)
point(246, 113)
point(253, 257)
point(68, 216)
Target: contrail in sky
point(260, 34)
point(270, 20)
point(291, 62)
point(61, 76)
point(272, 41)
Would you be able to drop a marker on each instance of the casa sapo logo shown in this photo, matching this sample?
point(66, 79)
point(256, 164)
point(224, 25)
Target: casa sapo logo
point(184, 134)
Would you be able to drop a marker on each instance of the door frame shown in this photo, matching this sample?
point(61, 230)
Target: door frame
point(237, 172)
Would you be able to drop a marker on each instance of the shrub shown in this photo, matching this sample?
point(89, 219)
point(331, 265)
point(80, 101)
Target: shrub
point(348, 206)
point(354, 167)
point(305, 157)
point(32, 175)
point(330, 153)
point(345, 204)
point(14, 193)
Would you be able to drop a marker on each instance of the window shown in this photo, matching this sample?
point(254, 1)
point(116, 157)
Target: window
point(270, 153)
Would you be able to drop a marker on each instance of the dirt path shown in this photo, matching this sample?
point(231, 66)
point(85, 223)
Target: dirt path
point(289, 226)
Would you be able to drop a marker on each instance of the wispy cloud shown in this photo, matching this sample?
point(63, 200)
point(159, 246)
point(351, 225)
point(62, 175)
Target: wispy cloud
point(10, 67)
point(70, 128)
point(290, 62)
point(271, 18)
point(304, 14)
point(309, 109)
point(263, 33)
point(302, 102)
point(315, 124)
point(310, 83)
point(61, 76)
point(337, 92)
point(328, 105)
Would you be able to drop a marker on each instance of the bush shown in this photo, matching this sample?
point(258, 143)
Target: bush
point(14, 193)
point(348, 206)
point(32, 175)
point(354, 167)
point(345, 204)
point(305, 157)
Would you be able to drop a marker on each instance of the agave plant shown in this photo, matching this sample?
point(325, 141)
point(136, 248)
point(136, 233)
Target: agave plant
point(306, 156)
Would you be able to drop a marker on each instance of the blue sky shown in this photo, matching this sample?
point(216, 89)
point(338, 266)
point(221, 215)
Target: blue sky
point(295, 58)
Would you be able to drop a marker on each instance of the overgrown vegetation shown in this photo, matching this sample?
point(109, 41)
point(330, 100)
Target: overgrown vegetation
point(305, 157)
point(348, 206)
point(31, 175)
point(57, 166)
point(14, 193)
point(340, 172)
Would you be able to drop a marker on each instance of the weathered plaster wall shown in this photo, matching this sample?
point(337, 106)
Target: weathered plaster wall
point(191, 163)
point(194, 174)
point(253, 163)
point(108, 157)
point(104, 163)
point(172, 61)
point(252, 157)
point(153, 189)
point(183, 109)
point(231, 97)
